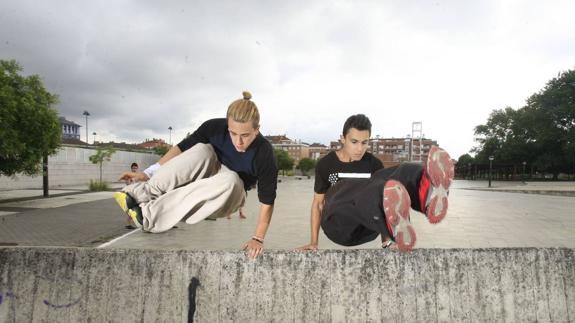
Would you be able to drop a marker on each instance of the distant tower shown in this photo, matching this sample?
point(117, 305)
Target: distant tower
point(416, 141)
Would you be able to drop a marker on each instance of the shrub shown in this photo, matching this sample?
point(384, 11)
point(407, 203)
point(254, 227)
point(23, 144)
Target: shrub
point(96, 186)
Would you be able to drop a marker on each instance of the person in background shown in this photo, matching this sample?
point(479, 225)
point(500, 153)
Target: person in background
point(134, 168)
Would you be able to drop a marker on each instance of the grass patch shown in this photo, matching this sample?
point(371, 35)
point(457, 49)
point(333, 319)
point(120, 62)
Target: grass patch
point(96, 186)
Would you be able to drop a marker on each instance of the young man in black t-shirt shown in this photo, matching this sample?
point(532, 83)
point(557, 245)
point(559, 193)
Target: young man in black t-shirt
point(356, 199)
point(207, 175)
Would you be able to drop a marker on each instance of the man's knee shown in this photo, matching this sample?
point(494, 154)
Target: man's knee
point(231, 178)
point(203, 147)
point(200, 149)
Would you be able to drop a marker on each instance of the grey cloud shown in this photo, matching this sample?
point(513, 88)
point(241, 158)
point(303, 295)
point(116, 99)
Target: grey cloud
point(141, 66)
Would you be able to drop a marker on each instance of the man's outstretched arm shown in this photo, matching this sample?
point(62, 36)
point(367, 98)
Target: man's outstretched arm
point(173, 152)
point(143, 176)
point(315, 221)
point(255, 245)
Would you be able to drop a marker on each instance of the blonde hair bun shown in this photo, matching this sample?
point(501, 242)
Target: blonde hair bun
point(244, 110)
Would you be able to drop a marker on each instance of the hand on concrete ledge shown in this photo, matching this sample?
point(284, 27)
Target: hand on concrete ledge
point(389, 244)
point(253, 248)
point(307, 247)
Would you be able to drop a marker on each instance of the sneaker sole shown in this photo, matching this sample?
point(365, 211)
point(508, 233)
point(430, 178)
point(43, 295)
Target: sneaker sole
point(396, 204)
point(440, 171)
point(121, 199)
point(134, 218)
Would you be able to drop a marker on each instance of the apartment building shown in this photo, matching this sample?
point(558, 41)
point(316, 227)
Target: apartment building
point(152, 143)
point(70, 129)
point(296, 149)
point(317, 150)
point(393, 151)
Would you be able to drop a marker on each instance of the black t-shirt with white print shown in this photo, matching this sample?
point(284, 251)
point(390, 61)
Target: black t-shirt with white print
point(330, 170)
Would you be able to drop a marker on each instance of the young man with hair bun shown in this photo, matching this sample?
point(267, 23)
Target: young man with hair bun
point(207, 175)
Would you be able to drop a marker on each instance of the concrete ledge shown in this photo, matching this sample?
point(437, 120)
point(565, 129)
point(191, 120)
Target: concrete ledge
point(427, 285)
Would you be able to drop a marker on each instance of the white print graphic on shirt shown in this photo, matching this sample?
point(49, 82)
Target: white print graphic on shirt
point(333, 178)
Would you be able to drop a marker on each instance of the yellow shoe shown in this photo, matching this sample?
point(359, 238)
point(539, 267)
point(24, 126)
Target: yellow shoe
point(136, 216)
point(130, 207)
point(121, 199)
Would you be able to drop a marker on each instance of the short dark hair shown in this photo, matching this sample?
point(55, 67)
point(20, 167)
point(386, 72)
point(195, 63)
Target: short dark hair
point(358, 121)
point(134, 164)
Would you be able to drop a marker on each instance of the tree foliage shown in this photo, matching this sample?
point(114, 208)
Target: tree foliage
point(161, 150)
point(305, 165)
point(29, 126)
point(542, 133)
point(465, 159)
point(102, 154)
point(285, 162)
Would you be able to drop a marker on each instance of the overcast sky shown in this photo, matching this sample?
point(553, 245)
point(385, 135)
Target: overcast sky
point(139, 67)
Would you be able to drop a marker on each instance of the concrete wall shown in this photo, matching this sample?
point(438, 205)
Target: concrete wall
point(427, 285)
point(72, 166)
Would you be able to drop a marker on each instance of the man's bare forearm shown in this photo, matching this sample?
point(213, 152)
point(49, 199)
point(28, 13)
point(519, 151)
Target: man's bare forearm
point(173, 152)
point(264, 219)
point(315, 221)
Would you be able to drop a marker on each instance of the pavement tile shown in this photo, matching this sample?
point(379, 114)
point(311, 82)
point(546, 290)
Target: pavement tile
point(476, 219)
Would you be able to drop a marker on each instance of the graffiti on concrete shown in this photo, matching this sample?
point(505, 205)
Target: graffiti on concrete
point(4, 296)
point(61, 305)
point(54, 304)
point(9, 294)
point(192, 290)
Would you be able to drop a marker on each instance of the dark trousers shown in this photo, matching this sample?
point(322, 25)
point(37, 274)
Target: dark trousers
point(353, 209)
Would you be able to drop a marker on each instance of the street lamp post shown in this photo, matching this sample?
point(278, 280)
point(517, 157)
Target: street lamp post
point(523, 174)
point(86, 113)
point(94, 133)
point(45, 175)
point(490, 166)
point(170, 128)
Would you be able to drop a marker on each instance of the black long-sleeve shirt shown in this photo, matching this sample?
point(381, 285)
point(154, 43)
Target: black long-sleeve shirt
point(256, 165)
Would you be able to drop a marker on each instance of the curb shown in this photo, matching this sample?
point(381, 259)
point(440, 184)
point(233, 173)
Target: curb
point(540, 192)
point(39, 197)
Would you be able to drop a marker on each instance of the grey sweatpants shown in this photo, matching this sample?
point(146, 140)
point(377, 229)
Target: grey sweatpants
point(189, 187)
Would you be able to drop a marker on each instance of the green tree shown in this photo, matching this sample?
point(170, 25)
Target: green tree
point(29, 126)
point(102, 154)
point(161, 150)
point(463, 166)
point(494, 135)
point(465, 160)
point(553, 128)
point(542, 133)
point(305, 165)
point(285, 162)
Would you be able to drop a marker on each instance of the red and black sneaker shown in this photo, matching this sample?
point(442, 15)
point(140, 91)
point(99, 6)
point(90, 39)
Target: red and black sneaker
point(434, 186)
point(396, 205)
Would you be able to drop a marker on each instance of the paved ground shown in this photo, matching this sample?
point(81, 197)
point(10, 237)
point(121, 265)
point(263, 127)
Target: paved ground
point(476, 219)
point(76, 220)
